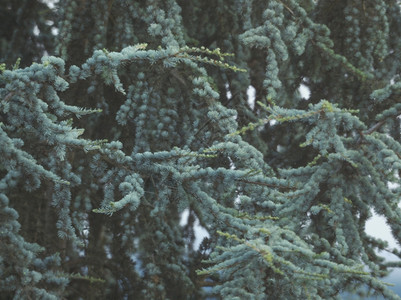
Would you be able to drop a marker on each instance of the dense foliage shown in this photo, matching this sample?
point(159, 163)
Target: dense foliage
point(118, 116)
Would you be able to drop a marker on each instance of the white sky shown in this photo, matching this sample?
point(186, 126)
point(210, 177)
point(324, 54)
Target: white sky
point(50, 3)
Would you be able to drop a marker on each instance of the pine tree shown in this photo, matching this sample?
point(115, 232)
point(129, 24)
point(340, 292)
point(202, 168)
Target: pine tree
point(118, 116)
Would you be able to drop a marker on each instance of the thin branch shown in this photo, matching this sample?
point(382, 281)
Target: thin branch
point(374, 127)
point(267, 184)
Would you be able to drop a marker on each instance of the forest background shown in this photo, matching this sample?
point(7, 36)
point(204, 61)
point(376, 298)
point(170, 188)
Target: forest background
point(127, 129)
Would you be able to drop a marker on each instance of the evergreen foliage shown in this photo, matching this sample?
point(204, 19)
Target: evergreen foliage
point(117, 116)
